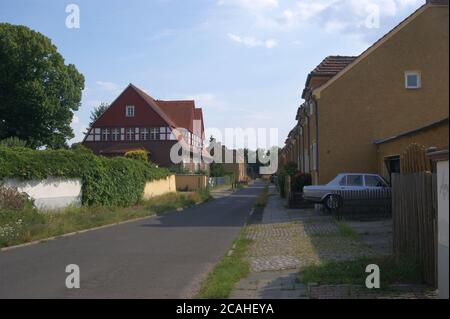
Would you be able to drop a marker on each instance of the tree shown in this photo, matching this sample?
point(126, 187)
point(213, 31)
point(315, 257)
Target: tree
point(97, 112)
point(38, 91)
point(13, 142)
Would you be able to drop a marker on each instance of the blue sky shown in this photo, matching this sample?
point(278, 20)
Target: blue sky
point(244, 61)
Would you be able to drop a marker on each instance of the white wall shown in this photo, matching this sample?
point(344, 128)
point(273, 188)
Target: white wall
point(443, 193)
point(51, 193)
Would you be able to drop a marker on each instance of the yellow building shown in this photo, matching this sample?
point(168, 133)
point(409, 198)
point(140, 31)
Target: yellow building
point(363, 113)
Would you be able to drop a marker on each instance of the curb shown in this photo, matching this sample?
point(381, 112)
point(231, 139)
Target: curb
point(44, 240)
point(40, 241)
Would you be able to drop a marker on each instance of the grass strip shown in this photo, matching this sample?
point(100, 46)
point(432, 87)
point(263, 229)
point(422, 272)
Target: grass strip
point(27, 226)
point(392, 271)
point(231, 268)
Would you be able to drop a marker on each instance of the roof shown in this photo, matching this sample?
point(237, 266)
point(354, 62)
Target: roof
point(378, 43)
point(177, 114)
point(417, 130)
point(180, 112)
point(332, 65)
point(329, 67)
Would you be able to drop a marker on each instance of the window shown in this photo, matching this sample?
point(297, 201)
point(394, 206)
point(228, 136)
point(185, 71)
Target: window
point(105, 134)
point(129, 111)
point(115, 134)
point(374, 181)
point(144, 134)
point(153, 133)
point(97, 134)
point(354, 180)
point(130, 134)
point(413, 80)
point(343, 181)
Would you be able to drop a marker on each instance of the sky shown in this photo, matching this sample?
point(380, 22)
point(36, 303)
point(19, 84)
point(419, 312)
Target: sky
point(245, 62)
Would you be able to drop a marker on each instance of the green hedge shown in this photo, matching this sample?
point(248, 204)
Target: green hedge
point(106, 181)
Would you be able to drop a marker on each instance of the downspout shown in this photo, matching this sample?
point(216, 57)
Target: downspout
point(316, 137)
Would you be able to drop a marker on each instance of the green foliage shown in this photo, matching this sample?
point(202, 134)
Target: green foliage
point(231, 268)
point(12, 200)
point(262, 199)
point(140, 155)
point(17, 215)
point(393, 271)
point(39, 93)
point(216, 170)
point(118, 181)
point(300, 180)
point(13, 142)
point(17, 227)
point(97, 112)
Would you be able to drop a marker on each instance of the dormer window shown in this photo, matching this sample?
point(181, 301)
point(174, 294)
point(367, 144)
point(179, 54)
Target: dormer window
point(413, 80)
point(129, 112)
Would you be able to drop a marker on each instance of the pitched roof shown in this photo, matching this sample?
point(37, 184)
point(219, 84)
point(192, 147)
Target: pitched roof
point(181, 112)
point(178, 114)
point(332, 65)
point(386, 37)
point(329, 67)
point(147, 98)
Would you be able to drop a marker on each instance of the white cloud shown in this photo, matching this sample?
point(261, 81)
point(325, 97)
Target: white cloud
point(78, 128)
point(270, 44)
point(75, 120)
point(108, 86)
point(253, 42)
point(203, 99)
point(252, 5)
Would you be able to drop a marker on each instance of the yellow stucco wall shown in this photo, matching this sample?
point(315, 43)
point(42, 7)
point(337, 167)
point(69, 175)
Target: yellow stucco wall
point(191, 183)
point(160, 187)
point(370, 102)
point(434, 137)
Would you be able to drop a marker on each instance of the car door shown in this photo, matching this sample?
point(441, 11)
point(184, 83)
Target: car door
point(374, 182)
point(355, 182)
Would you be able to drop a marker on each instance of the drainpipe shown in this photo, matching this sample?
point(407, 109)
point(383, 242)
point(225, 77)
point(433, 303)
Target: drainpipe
point(316, 138)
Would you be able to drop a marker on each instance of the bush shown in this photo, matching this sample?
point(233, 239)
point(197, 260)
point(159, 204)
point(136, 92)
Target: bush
point(118, 181)
point(11, 199)
point(216, 170)
point(140, 155)
point(300, 180)
point(13, 142)
point(17, 214)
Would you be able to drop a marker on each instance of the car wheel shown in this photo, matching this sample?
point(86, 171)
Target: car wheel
point(333, 202)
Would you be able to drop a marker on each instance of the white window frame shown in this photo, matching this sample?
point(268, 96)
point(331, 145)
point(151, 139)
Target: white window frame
point(105, 134)
point(130, 134)
point(419, 80)
point(115, 135)
point(130, 114)
point(144, 134)
point(154, 133)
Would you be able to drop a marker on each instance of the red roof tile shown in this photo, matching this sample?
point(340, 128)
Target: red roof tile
point(180, 112)
point(332, 65)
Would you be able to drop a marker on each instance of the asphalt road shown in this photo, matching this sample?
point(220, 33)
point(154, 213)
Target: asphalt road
point(160, 257)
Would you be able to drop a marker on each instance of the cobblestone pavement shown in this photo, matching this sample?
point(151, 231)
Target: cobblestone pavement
point(285, 241)
point(359, 292)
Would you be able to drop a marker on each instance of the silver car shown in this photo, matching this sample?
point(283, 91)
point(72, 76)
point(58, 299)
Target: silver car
point(326, 194)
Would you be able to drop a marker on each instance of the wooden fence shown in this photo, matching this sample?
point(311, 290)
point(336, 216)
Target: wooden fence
point(365, 204)
point(414, 220)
